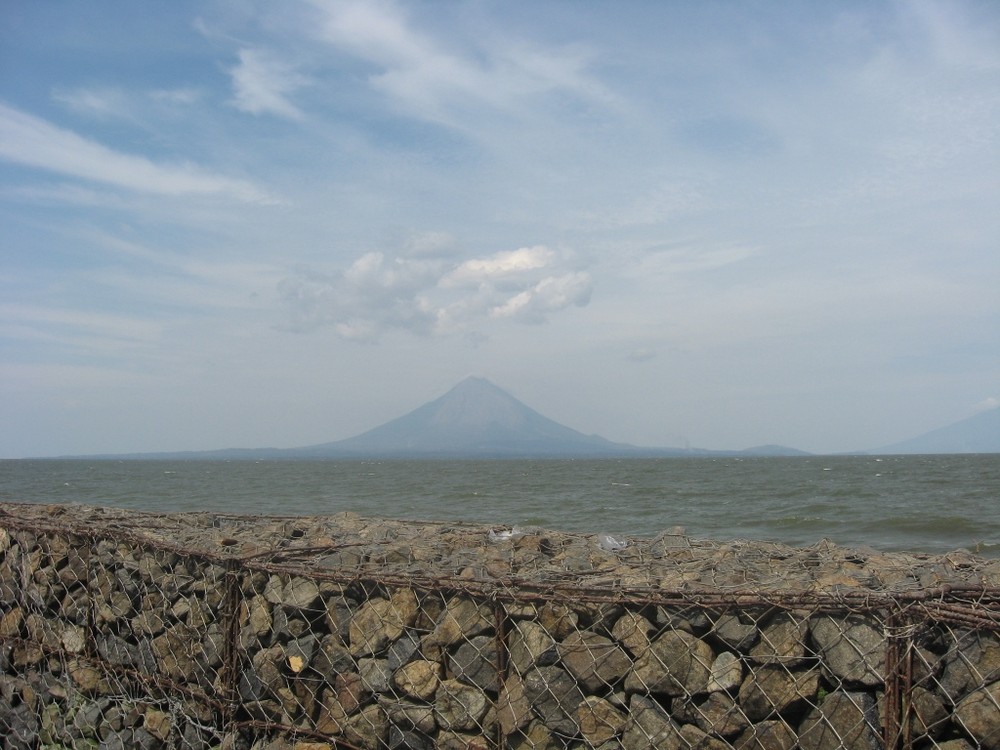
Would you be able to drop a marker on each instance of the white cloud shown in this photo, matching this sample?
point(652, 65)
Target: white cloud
point(547, 296)
point(179, 96)
point(441, 84)
point(99, 102)
point(376, 294)
point(262, 84)
point(499, 265)
point(34, 142)
point(988, 404)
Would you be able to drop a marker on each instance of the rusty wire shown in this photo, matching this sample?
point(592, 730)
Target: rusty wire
point(923, 602)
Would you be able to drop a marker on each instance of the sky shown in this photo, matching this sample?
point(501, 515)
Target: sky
point(239, 223)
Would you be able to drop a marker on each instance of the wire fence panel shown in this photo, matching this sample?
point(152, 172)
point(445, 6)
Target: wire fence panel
point(211, 631)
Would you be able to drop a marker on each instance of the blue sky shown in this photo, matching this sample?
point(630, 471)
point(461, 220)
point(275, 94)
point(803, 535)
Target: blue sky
point(248, 224)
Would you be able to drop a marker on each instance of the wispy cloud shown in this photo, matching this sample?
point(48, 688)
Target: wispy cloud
point(376, 294)
point(34, 142)
point(262, 84)
point(436, 81)
point(99, 102)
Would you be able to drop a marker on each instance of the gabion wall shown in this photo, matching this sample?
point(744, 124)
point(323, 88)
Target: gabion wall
point(127, 630)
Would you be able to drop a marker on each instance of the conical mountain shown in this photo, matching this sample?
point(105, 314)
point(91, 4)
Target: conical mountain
point(475, 418)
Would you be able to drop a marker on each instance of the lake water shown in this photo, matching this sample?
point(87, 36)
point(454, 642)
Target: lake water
point(912, 503)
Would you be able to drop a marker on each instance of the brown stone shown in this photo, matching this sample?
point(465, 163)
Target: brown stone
point(157, 723)
point(852, 649)
point(773, 689)
point(632, 631)
point(782, 640)
point(980, 716)
point(459, 706)
point(842, 720)
point(418, 679)
point(513, 706)
point(599, 720)
point(596, 661)
point(530, 645)
point(766, 735)
point(676, 663)
point(649, 727)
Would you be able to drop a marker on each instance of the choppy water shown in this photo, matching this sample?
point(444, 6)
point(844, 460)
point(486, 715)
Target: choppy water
point(915, 503)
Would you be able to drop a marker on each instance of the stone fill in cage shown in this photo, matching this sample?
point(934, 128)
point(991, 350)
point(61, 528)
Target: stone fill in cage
point(129, 630)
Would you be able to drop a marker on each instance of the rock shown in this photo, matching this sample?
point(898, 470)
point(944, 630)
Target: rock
point(351, 691)
point(536, 737)
point(773, 689)
point(419, 716)
point(979, 715)
point(852, 649)
point(157, 723)
point(408, 739)
point(475, 662)
point(459, 706)
point(375, 674)
point(558, 619)
point(86, 677)
point(255, 618)
point(695, 739)
point(954, 745)
point(175, 651)
point(339, 612)
point(719, 715)
point(119, 652)
point(782, 640)
point(403, 650)
point(632, 631)
point(649, 727)
point(599, 720)
point(530, 645)
point(735, 633)
point(20, 726)
point(929, 715)
point(380, 621)
point(300, 593)
point(555, 697)
point(676, 664)
point(461, 619)
point(369, 728)
point(331, 717)
point(973, 661)
point(766, 735)
point(596, 661)
point(726, 673)
point(299, 653)
point(513, 706)
point(456, 741)
point(418, 679)
point(11, 622)
point(332, 658)
point(842, 720)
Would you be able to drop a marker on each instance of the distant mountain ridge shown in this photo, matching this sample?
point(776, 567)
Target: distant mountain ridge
point(473, 419)
point(478, 419)
point(979, 433)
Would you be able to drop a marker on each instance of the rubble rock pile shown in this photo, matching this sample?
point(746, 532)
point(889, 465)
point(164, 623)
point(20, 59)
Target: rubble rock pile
point(122, 629)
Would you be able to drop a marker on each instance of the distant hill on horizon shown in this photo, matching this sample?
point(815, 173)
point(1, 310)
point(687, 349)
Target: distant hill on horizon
point(474, 419)
point(477, 419)
point(979, 433)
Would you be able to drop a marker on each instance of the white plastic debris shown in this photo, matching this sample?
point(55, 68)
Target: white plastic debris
point(609, 544)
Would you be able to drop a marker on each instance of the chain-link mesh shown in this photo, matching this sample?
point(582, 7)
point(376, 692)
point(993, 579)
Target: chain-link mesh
point(122, 630)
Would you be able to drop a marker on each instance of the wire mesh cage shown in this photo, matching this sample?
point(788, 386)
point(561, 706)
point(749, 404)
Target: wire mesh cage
point(211, 631)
